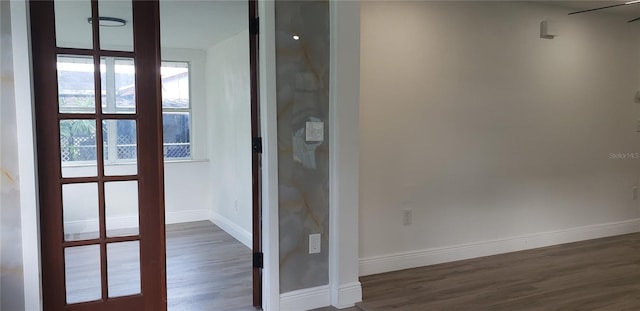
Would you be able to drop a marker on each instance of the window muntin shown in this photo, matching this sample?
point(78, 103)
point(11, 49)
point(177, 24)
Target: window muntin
point(77, 95)
point(118, 88)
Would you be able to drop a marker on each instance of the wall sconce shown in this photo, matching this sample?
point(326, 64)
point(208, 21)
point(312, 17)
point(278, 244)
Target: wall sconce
point(548, 29)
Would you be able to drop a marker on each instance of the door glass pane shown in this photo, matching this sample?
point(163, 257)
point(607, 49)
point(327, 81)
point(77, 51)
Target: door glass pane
point(80, 211)
point(78, 148)
point(82, 273)
point(76, 87)
point(118, 85)
point(72, 27)
point(116, 25)
point(123, 268)
point(121, 207)
point(120, 147)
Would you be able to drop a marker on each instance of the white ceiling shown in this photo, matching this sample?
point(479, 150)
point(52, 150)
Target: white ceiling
point(200, 24)
point(183, 23)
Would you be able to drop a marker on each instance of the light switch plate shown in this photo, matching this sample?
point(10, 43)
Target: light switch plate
point(314, 131)
point(314, 243)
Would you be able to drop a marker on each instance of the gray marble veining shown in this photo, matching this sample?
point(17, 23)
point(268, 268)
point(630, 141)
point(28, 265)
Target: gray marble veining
point(302, 65)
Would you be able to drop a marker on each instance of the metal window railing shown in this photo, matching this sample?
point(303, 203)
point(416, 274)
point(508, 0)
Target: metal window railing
point(83, 148)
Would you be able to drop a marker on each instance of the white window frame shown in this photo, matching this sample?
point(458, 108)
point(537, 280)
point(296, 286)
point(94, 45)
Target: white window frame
point(181, 110)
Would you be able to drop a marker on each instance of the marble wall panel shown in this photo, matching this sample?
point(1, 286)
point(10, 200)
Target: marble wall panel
point(302, 65)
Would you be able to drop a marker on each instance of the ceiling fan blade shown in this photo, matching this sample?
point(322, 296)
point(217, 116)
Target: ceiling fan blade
point(633, 20)
point(600, 8)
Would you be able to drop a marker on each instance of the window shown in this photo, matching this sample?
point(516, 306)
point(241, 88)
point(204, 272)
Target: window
point(117, 75)
point(176, 110)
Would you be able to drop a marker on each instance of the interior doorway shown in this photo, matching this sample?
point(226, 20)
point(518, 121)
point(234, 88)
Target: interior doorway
point(208, 182)
point(120, 132)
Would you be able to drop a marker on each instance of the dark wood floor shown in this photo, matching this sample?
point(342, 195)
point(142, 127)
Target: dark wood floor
point(602, 274)
point(335, 309)
point(207, 269)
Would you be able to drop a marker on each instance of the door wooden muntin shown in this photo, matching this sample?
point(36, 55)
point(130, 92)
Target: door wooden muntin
point(150, 159)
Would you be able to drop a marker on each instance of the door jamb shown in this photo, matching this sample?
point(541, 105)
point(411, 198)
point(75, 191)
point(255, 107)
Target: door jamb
point(30, 219)
point(268, 118)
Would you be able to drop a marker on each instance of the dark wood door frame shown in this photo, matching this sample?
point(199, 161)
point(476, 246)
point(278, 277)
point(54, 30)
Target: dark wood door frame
point(256, 162)
point(150, 158)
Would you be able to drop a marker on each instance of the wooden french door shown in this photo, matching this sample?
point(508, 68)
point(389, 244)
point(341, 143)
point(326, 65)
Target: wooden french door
point(90, 84)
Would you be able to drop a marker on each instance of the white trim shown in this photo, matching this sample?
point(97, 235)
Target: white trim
point(400, 261)
point(233, 229)
point(125, 222)
point(344, 103)
point(305, 299)
point(268, 120)
point(186, 216)
point(26, 152)
point(348, 295)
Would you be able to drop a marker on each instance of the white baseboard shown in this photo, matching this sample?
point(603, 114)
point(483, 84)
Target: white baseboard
point(245, 237)
point(348, 295)
point(420, 258)
point(186, 216)
point(115, 223)
point(305, 299)
point(318, 297)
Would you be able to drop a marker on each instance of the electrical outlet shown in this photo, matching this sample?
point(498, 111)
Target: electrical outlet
point(314, 243)
point(235, 206)
point(407, 216)
point(634, 193)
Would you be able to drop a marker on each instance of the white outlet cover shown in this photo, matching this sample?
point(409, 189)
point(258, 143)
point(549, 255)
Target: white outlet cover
point(314, 243)
point(314, 131)
point(407, 217)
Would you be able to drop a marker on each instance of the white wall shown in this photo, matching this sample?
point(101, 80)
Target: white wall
point(498, 140)
point(229, 115)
